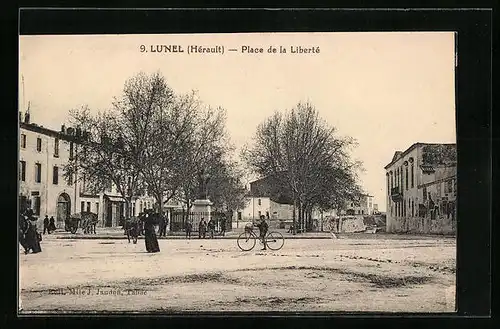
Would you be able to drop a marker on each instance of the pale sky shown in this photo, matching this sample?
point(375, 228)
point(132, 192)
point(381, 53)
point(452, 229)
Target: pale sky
point(387, 90)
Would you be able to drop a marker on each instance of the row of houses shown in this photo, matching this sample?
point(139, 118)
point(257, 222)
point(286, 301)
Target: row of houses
point(420, 184)
point(43, 153)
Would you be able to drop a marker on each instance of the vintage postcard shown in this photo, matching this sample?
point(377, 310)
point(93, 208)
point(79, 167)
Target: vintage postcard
point(273, 172)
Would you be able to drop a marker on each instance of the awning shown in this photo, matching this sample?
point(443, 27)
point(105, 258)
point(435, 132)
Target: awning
point(114, 198)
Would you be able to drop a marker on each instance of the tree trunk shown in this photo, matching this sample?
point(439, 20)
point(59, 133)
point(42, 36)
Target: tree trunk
point(294, 231)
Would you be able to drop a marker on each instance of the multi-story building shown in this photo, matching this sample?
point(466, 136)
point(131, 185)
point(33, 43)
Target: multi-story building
point(361, 205)
point(43, 153)
point(421, 189)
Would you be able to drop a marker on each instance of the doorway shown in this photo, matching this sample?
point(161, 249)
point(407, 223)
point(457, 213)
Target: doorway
point(63, 209)
point(109, 214)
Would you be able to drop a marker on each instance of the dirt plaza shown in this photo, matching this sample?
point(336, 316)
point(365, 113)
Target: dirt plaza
point(365, 272)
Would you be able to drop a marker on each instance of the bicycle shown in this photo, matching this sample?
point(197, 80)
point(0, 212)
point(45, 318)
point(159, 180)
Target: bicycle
point(247, 240)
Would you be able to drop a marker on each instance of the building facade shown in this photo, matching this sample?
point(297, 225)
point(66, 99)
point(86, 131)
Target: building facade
point(362, 205)
point(42, 187)
point(421, 189)
point(43, 153)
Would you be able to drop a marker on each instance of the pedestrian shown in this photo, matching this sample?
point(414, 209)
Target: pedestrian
point(163, 225)
point(52, 225)
point(189, 229)
point(23, 228)
point(211, 228)
point(202, 229)
point(46, 225)
point(150, 234)
point(263, 227)
point(223, 226)
point(32, 237)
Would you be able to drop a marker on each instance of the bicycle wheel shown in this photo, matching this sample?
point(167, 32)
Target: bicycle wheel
point(246, 241)
point(275, 240)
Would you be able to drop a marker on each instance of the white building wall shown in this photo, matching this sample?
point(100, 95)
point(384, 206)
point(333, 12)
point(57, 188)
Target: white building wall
point(48, 191)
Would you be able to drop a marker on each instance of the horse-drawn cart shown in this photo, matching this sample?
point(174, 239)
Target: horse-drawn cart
point(85, 220)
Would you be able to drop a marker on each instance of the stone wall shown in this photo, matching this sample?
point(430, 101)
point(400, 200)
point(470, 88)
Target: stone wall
point(424, 225)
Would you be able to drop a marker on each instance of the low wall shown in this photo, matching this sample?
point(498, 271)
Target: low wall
point(352, 224)
point(426, 225)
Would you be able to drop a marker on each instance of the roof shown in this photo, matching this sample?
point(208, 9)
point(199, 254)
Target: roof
point(398, 154)
point(45, 131)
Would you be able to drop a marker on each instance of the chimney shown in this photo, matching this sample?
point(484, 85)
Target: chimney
point(27, 117)
point(63, 129)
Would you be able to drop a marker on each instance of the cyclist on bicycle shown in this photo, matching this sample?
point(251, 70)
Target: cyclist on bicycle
point(263, 227)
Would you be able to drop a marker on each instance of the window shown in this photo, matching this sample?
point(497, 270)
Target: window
point(352, 204)
point(362, 212)
point(23, 141)
point(82, 206)
point(239, 215)
point(412, 176)
point(412, 208)
point(450, 186)
point(402, 178)
point(259, 202)
point(55, 175)
point(88, 206)
point(71, 150)
point(56, 148)
point(97, 208)
point(406, 178)
point(267, 214)
point(39, 144)
point(392, 180)
point(388, 189)
point(38, 172)
point(36, 205)
point(22, 173)
point(70, 180)
point(424, 193)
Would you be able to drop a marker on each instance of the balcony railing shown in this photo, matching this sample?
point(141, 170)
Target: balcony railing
point(396, 194)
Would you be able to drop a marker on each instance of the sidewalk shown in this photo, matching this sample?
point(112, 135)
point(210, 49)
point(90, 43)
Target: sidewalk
point(117, 234)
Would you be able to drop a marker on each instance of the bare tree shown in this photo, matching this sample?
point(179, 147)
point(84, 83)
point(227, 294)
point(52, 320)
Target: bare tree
point(102, 157)
point(302, 153)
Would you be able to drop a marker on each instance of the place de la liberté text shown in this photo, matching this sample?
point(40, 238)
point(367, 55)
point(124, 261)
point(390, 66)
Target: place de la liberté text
point(219, 49)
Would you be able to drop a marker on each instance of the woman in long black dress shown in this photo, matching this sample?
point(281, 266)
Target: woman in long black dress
point(150, 234)
point(32, 238)
point(52, 224)
point(23, 228)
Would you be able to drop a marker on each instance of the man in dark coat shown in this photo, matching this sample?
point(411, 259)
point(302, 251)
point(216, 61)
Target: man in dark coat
point(223, 226)
point(189, 229)
point(46, 224)
point(263, 227)
point(149, 232)
point(163, 225)
point(211, 228)
point(52, 224)
point(202, 229)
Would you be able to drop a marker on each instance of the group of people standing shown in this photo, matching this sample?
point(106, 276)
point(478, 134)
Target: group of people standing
point(49, 225)
point(203, 227)
point(28, 232)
